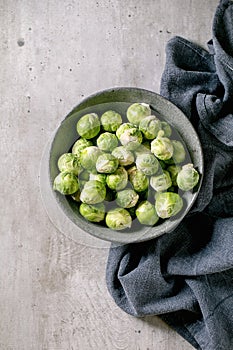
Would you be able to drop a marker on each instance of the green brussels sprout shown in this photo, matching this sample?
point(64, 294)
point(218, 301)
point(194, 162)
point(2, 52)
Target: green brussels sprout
point(187, 177)
point(118, 219)
point(79, 145)
point(106, 163)
point(131, 138)
point(66, 183)
point(127, 198)
point(88, 126)
point(179, 153)
point(173, 171)
point(137, 111)
point(122, 128)
point(150, 127)
point(147, 163)
point(93, 192)
point(124, 156)
point(162, 146)
point(107, 141)
point(118, 180)
point(146, 213)
point(89, 156)
point(99, 177)
point(166, 128)
point(69, 162)
point(92, 212)
point(111, 120)
point(168, 204)
point(138, 179)
point(161, 182)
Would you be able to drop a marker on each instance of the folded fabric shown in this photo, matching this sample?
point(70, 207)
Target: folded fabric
point(186, 276)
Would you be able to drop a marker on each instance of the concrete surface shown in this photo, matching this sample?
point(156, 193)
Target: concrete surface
point(54, 53)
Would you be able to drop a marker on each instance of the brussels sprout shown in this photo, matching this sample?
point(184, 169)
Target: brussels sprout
point(118, 180)
point(161, 182)
point(147, 163)
point(79, 145)
point(99, 177)
point(168, 204)
point(92, 212)
point(124, 156)
point(107, 141)
point(127, 198)
point(122, 128)
point(138, 179)
point(166, 128)
point(69, 162)
point(137, 111)
point(131, 138)
point(162, 147)
point(88, 126)
point(188, 177)
point(93, 192)
point(146, 213)
point(66, 183)
point(179, 153)
point(173, 171)
point(150, 127)
point(118, 219)
point(106, 163)
point(89, 156)
point(111, 120)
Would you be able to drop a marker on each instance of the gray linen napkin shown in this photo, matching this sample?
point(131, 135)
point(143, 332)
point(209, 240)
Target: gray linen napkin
point(186, 276)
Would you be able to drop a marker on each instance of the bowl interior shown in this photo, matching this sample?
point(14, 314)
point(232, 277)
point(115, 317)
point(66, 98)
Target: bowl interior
point(119, 99)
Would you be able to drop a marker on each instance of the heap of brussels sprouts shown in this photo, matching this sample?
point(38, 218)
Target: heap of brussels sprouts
point(119, 171)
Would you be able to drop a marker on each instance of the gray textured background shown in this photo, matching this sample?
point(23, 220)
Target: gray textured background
point(52, 55)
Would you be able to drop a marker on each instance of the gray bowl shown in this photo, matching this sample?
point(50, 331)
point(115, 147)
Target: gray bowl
point(120, 98)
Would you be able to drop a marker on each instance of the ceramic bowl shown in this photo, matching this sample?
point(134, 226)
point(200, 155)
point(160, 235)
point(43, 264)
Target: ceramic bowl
point(119, 99)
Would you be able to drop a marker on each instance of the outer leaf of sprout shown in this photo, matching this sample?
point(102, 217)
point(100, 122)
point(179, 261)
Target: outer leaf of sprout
point(106, 163)
point(92, 212)
point(111, 120)
point(118, 219)
point(147, 163)
point(88, 126)
point(69, 162)
point(161, 182)
point(107, 141)
point(168, 204)
point(118, 180)
point(127, 198)
point(188, 177)
point(146, 213)
point(137, 111)
point(66, 183)
point(93, 192)
point(162, 147)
